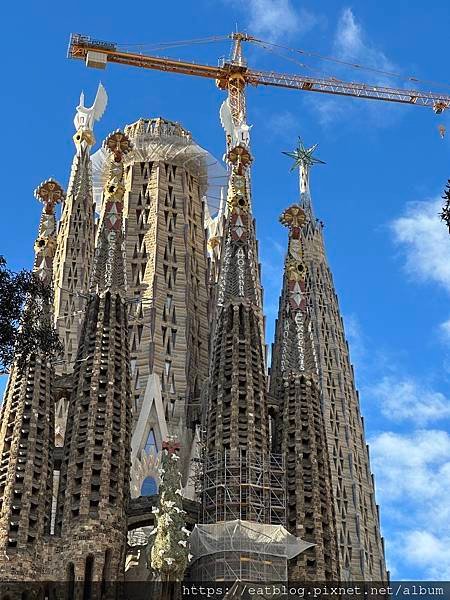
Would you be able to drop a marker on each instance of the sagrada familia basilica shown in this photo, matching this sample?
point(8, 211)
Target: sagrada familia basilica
point(159, 446)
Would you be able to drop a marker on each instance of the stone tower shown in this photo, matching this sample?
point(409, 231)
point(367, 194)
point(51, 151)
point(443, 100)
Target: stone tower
point(164, 211)
point(94, 483)
point(361, 548)
point(243, 492)
point(27, 430)
point(75, 242)
point(299, 424)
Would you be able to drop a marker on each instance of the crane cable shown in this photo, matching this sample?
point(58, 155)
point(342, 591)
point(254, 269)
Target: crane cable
point(293, 60)
point(353, 65)
point(270, 47)
point(175, 44)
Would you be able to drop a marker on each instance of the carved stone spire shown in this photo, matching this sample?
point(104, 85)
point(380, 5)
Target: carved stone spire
point(94, 484)
point(237, 428)
point(27, 429)
point(361, 551)
point(108, 274)
point(239, 332)
point(75, 242)
point(300, 421)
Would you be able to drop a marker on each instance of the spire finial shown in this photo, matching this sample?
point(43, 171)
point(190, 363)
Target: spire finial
point(293, 217)
point(118, 144)
point(85, 118)
point(50, 193)
point(304, 156)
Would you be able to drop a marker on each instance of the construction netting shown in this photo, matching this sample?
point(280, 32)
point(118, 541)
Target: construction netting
point(160, 140)
point(245, 537)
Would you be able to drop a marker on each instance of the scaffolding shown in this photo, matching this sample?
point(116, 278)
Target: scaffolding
point(244, 486)
point(242, 537)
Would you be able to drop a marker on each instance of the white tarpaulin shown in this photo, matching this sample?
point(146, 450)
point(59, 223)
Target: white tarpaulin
point(245, 536)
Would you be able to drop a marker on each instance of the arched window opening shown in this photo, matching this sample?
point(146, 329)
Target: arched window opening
point(88, 574)
point(106, 575)
point(70, 581)
point(149, 487)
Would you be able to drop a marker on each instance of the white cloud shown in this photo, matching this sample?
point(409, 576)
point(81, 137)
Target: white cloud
point(425, 242)
point(351, 44)
point(329, 110)
point(275, 19)
point(356, 339)
point(430, 552)
point(406, 399)
point(413, 486)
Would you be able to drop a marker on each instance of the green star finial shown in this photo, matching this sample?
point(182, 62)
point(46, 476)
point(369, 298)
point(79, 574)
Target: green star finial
point(303, 155)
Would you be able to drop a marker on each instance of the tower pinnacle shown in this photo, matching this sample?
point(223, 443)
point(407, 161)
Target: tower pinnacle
point(50, 193)
point(109, 268)
point(75, 241)
point(304, 159)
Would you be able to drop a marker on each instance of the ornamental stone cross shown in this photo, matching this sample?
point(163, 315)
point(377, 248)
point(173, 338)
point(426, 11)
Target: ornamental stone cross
point(293, 217)
point(49, 193)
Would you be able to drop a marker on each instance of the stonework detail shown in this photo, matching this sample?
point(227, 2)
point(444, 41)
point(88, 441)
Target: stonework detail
point(361, 547)
point(95, 472)
point(27, 431)
point(167, 271)
point(299, 423)
point(74, 248)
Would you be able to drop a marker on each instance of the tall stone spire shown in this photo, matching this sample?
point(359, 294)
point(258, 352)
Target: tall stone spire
point(243, 487)
point(361, 548)
point(94, 484)
point(164, 213)
point(237, 414)
point(27, 429)
point(301, 437)
point(75, 242)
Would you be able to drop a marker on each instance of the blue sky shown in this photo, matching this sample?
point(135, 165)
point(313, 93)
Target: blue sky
point(386, 166)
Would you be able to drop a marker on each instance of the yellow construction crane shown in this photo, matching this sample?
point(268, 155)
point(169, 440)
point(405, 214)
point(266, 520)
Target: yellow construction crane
point(234, 75)
point(235, 72)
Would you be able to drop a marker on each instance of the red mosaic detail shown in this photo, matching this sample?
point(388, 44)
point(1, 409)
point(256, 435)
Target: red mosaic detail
point(297, 300)
point(171, 447)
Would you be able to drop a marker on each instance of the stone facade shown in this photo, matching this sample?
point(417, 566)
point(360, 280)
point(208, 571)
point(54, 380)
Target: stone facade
point(95, 472)
point(159, 341)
